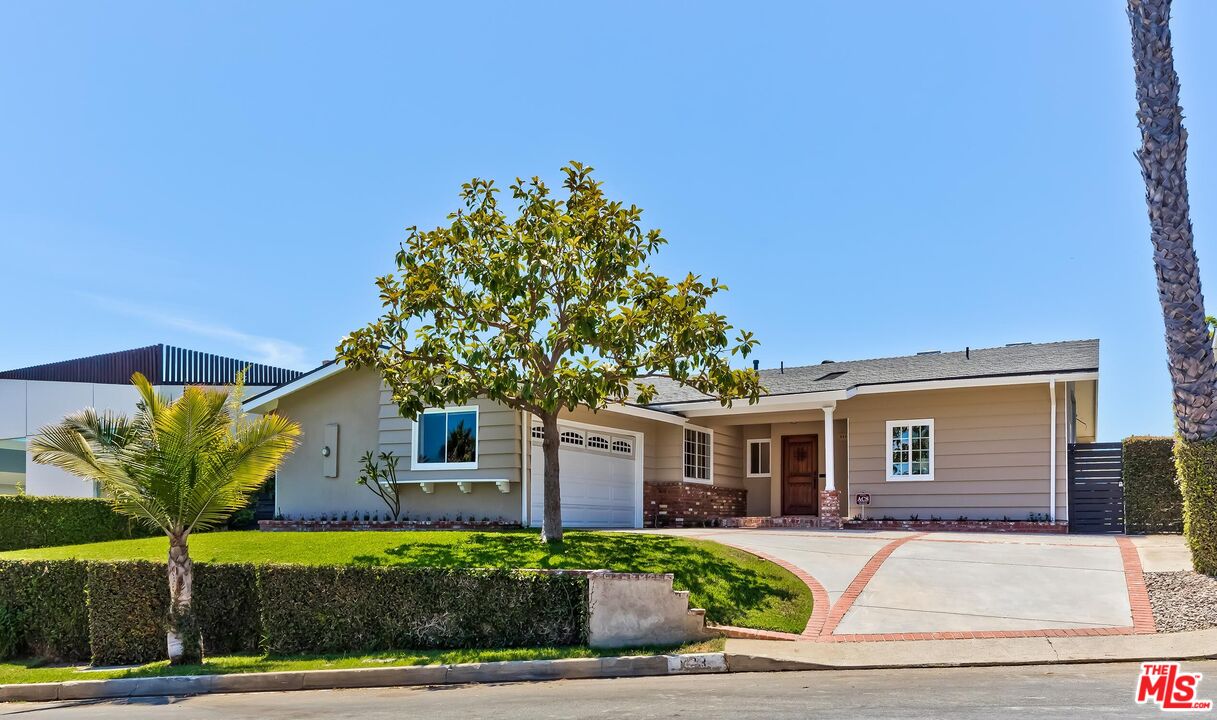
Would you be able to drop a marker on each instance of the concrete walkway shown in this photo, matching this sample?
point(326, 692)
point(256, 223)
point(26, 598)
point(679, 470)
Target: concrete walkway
point(890, 585)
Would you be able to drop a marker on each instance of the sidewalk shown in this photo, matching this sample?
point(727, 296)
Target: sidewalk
point(764, 655)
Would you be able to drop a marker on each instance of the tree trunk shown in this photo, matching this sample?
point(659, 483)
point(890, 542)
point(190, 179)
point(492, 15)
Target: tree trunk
point(185, 642)
point(1163, 156)
point(551, 523)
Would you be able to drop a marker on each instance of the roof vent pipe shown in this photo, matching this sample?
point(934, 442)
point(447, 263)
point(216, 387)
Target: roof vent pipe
point(782, 367)
point(967, 353)
point(756, 365)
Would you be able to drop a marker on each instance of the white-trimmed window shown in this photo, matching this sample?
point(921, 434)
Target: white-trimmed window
point(699, 454)
point(910, 449)
point(758, 457)
point(446, 439)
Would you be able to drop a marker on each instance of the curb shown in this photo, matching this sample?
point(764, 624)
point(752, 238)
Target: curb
point(492, 672)
point(765, 656)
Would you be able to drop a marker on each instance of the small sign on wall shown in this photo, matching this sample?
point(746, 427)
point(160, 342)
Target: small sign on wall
point(329, 451)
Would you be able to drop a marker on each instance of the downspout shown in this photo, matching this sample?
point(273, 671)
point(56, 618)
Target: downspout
point(1052, 451)
point(525, 475)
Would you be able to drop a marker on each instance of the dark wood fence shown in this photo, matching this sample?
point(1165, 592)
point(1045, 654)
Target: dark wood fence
point(1096, 488)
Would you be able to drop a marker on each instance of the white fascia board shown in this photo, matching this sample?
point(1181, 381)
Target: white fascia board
point(768, 403)
point(974, 382)
point(819, 400)
point(269, 401)
point(643, 412)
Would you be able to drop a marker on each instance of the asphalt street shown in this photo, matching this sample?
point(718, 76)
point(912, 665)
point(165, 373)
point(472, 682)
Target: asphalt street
point(1073, 691)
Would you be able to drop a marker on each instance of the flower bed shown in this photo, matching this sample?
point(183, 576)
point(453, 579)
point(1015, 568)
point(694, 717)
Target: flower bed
point(1028, 526)
point(340, 525)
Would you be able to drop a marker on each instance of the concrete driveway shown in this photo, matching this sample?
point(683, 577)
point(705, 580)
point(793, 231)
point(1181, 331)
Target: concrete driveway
point(900, 583)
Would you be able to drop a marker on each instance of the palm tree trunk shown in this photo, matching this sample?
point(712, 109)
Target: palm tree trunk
point(1163, 157)
point(551, 523)
point(185, 642)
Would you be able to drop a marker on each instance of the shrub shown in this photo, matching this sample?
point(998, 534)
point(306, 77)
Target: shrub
point(116, 612)
point(42, 604)
point(1152, 500)
point(1197, 466)
point(365, 609)
point(129, 607)
point(32, 522)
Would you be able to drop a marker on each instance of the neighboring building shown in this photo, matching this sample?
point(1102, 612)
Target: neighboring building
point(33, 397)
point(979, 433)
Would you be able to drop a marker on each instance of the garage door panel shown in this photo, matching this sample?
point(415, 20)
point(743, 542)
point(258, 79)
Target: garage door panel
point(598, 486)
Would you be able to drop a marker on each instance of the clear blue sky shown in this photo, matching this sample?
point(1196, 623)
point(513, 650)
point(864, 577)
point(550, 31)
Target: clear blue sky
point(870, 179)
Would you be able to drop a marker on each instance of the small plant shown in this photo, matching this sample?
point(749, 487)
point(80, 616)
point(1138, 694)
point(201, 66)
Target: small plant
point(935, 518)
point(963, 518)
point(1005, 518)
point(914, 518)
point(379, 475)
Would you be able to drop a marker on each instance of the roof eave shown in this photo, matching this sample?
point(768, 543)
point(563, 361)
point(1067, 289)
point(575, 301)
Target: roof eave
point(823, 398)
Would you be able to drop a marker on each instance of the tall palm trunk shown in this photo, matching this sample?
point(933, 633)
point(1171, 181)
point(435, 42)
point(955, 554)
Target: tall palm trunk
point(185, 642)
point(551, 522)
point(1163, 157)
point(1189, 349)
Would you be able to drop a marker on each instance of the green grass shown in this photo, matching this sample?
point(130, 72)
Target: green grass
point(734, 587)
point(28, 671)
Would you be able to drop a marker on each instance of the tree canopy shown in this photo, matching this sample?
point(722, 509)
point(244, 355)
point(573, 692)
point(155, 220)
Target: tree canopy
point(553, 308)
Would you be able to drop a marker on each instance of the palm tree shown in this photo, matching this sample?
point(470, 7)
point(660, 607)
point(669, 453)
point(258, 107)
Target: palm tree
point(1189, 347)
point(1163, 157)
point(177, 465)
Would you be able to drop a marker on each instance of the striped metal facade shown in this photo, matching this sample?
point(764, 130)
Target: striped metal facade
point(161, 364)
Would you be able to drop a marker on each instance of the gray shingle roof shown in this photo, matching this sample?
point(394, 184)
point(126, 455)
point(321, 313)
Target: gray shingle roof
point(1017, 359)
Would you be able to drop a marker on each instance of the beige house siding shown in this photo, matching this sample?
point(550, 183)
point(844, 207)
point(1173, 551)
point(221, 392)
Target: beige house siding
point(498, 459)
point(991, 449)
point(348, 399)
point(366, 419)
point(759, 491)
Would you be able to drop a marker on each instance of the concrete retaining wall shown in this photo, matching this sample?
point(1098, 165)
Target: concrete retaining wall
point(634, 609)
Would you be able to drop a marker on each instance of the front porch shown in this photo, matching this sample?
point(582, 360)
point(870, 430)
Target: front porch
point(795, 466)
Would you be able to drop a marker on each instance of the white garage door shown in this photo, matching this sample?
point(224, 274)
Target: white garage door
point(597, 477)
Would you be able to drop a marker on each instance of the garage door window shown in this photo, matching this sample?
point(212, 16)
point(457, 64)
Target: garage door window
point(699, 448)
point(446, 439)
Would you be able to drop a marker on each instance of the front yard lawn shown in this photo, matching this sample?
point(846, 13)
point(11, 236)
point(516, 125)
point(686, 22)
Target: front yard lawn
point(734, 587)
point(26, 671)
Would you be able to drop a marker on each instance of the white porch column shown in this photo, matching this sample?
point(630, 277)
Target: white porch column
point(830, 482)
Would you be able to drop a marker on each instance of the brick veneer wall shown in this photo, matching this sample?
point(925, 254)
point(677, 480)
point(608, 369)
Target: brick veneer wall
point(679, 504)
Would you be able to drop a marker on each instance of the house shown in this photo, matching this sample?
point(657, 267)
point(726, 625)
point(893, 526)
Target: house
point(33, 397)
point(981, 433)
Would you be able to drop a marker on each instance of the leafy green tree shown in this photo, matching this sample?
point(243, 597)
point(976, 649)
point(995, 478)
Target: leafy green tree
point(553, 308)
point(178, 465)
point(1189, 346)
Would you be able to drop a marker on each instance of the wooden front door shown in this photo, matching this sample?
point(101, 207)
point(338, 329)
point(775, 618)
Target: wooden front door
point(800, 475)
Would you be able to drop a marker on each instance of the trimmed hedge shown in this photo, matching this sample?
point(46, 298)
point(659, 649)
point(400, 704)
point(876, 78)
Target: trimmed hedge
point(42, 609)
point(129, 604)
point(1197, 467)
point(115, 613)
point(364, 609)
point(33, 522)
point(1152, 500)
